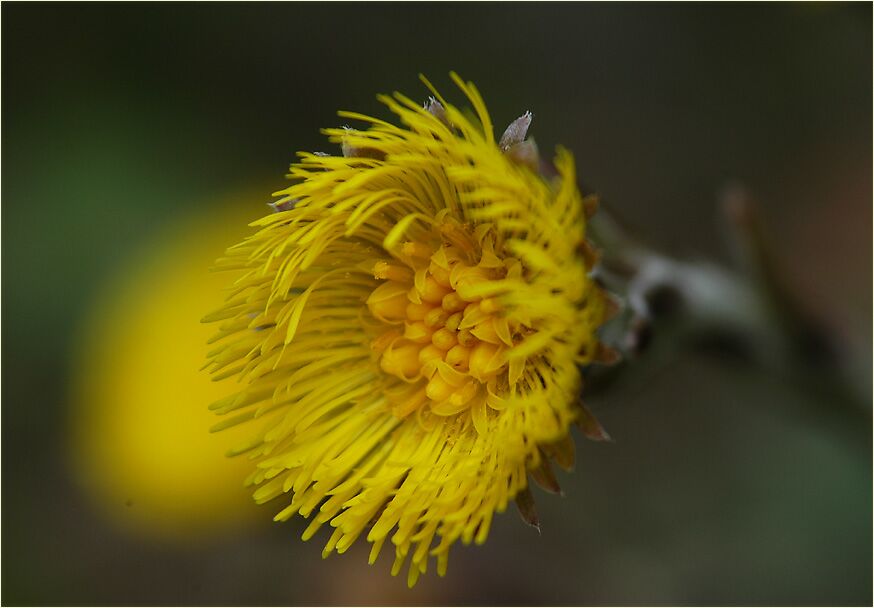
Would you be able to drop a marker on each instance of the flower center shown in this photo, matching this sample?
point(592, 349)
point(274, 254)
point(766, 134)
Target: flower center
point(443, 337)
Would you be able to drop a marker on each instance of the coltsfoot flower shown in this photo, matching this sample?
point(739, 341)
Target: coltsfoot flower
point(408, 328)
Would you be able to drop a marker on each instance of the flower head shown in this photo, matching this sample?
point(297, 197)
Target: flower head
point(408, 328)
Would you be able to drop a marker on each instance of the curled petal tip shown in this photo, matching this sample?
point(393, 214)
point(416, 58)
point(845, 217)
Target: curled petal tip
point(436, 109)
point(516, 131)
point(544, 476)
point(612, 306)
point(607, 355)
point(562, 452)
point(590, 205)
point(350, 151)
point(527, 508)
point(590, 254)
point(353, 152)
point(283, 205)
point(590, 427)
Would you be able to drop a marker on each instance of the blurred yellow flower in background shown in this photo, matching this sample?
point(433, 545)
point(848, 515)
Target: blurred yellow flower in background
point(139, 418)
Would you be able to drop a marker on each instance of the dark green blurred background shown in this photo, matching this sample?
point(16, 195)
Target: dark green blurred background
point(720, 487)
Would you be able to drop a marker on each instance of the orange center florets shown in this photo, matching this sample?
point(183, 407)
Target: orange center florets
point(444, 335)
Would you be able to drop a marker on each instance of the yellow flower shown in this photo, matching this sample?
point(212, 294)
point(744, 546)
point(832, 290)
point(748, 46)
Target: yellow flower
point(137, 420)
point(408, 327)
